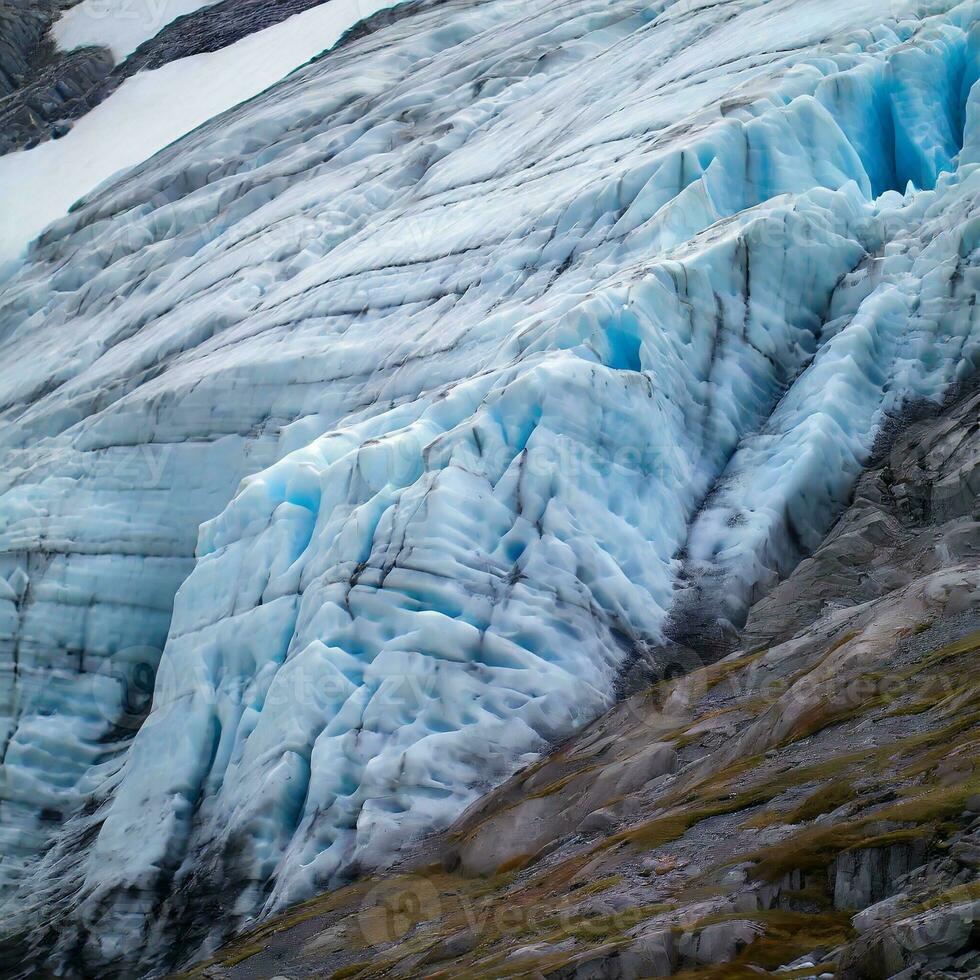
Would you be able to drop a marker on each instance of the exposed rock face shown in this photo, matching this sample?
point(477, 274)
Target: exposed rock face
point(810, 802)
point(42, 89)
point(865, 876)
point(914, 513)
point(24, 26)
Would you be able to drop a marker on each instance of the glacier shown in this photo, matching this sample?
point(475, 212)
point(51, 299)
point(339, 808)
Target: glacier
point(354, 442)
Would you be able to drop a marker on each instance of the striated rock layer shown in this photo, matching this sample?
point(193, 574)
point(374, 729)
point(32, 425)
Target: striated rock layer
point(539, 332)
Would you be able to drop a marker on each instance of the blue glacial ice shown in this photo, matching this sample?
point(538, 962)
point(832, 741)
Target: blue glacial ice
point(427, 388)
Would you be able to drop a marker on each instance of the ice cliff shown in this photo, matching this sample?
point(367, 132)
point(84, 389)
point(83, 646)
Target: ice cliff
point(526, 331)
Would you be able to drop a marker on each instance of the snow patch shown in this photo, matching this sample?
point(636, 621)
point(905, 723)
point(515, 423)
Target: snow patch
point(119, 25)
point(153, 109)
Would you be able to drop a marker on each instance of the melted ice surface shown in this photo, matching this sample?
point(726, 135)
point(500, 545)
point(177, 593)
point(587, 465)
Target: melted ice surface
point(514, 316)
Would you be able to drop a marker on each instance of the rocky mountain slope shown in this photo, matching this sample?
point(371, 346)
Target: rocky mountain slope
point(808, 806)
point(42, 89)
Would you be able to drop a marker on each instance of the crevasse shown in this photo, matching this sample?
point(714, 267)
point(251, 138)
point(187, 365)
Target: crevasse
point(535, 330)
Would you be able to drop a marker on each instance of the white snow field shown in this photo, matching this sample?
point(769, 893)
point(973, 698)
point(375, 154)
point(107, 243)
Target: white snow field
point(153, 109)
point(499, 311)
point(119, 25)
